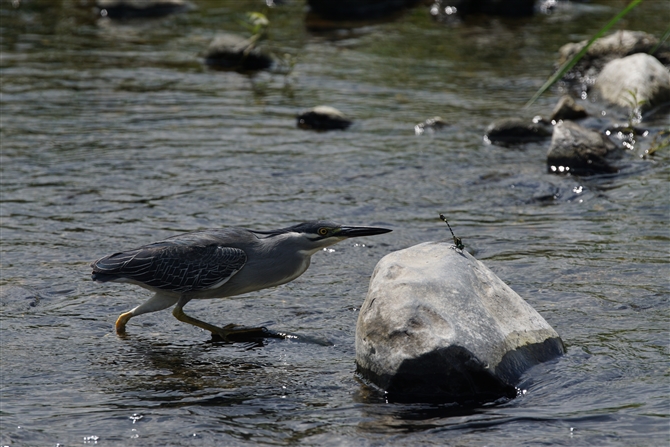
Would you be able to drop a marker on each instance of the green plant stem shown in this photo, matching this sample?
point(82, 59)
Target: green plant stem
point(666, 34)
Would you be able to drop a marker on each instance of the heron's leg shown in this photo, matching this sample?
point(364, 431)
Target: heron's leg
point(153, 304)
point(223, 332)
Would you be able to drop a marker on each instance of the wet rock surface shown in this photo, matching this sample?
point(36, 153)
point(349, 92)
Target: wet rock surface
point(129, 9)
point(357, 9)
point(438, 325)
point(323, 118)
point(567, 109)
point(233, 52)
point(431, 125)
point(580, 151)
point(442, 9)
point(613, 46)
point(639, 80)
point(510, 131)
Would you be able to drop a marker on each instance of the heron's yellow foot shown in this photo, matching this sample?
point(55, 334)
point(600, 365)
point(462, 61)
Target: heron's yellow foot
point(121, 322)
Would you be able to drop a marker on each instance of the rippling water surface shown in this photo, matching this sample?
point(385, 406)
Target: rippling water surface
point(115, 135)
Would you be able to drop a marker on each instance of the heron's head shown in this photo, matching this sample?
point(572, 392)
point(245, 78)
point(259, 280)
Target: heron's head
point(311, 237)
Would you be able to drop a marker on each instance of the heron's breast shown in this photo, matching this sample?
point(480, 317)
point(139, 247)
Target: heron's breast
point(258, 275)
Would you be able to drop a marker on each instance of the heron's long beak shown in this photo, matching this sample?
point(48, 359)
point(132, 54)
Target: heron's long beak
point(360, 231)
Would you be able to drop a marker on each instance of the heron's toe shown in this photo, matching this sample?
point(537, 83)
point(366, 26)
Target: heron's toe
point(121, 322)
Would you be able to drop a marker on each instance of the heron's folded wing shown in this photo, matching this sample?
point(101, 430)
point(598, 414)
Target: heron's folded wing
point(173, 266)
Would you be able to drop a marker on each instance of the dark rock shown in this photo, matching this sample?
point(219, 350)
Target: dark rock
point(232, 52)
point(431, 125)
point(509, 131)
point(567, 109)
point(323, 118)
point(357, 9)
point(580, 151)
point(439, 326)
point(442, 9)
point(619, 44)
point(130, 9)
point(637, 81)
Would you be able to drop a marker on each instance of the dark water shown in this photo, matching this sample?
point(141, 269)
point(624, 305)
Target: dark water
point(115, 135)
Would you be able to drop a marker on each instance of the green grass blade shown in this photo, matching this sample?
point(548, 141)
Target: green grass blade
point(666, 34)
point(567, 65)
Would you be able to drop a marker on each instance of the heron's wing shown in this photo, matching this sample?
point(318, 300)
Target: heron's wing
point(173, 265)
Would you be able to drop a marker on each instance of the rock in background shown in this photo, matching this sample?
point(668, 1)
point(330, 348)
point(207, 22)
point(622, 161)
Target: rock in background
point(626, 82)
point(580, 151)
point(511, 131)
point(613, 46)
point(133, 9)
point(438, 326)
point(233, 52)
point(639, 80)
point(357, 9)
point(323, 118)
point(567, 109)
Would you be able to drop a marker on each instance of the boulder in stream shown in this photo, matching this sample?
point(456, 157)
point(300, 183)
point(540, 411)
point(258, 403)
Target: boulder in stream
point(438, 326)
point(567, 109)
point(323, 118)
point(133, 9)
point(233, 52)
point(431, 125)
point(442, 9)
point(510, 131)
point(580, 151)
point(639, 80)
point(357, 9)
point(613, 46)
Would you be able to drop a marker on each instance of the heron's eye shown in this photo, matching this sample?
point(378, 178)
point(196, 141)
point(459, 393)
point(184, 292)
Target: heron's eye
point(323, 231)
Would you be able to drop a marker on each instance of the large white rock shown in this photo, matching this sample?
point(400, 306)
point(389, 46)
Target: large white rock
point(437, 325)
point(636, 80)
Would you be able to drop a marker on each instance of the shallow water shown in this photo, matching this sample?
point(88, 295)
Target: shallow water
point(115, 135)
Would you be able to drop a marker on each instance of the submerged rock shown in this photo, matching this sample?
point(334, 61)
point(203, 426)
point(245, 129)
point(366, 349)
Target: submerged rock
point(129, 9)
point(323, 118)
point(580, 151)
point(634, 81)
point(439, 326)
point(567, 109)
point(442, 9)
point(357, 9)
point(232, 52)
point(431, 125)
point(508, 131)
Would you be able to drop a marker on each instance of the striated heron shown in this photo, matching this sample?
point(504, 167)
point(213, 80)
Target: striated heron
point(218, 264)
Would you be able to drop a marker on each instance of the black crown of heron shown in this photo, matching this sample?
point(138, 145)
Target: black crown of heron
point(218, 264)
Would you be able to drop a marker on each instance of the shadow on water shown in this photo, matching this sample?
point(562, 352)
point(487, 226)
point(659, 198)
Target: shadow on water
point(180, 374)
point(177, 374)
point(382, 415)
